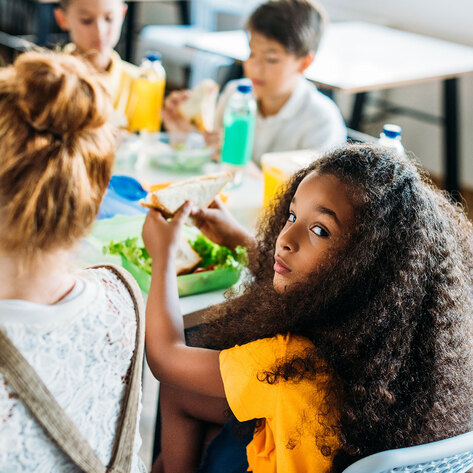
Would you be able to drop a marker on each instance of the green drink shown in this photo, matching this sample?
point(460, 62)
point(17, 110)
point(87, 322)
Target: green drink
point(238, 138)
point(239, 126)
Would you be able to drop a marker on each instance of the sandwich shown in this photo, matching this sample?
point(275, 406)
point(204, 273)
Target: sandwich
point(199, 190)
point(132, 250)
point(187, 259)
point(199, 107)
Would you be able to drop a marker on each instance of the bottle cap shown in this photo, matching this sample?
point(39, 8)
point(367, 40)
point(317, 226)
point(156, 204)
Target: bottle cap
point(392, 131)
point(245, 87)
point(153, 56)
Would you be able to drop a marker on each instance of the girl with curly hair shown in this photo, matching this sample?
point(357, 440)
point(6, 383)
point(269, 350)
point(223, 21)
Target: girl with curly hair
point(353, 336)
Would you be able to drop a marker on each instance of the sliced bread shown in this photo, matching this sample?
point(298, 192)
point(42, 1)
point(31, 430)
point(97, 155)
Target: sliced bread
point(187, 259)
point(199, 108)
point(199, 190)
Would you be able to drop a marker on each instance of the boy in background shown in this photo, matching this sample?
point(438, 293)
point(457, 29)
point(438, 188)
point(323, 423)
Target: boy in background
point(95, 27)
point(292, 114)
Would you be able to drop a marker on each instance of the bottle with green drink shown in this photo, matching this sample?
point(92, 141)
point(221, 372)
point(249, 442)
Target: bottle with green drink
point(238, 130)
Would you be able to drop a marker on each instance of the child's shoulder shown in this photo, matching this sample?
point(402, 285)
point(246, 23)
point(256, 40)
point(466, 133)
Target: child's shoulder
point(318, 111)
point(112, 284)
point(293, 344)
point(277, 346)
point(309, 92)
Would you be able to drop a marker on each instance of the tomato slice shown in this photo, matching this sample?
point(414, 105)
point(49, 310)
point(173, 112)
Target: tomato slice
point(210, 267)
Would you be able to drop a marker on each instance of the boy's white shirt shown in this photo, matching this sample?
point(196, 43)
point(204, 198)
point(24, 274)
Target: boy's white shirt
point(308, 120)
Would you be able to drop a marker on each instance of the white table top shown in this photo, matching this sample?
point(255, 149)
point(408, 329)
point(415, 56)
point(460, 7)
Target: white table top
point(358, 56)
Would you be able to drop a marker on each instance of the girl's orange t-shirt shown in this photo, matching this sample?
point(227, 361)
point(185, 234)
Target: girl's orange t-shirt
point(286, 440)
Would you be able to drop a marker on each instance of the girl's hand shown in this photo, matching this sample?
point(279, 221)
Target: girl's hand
point(218, 224)
point(161, 238)
point(172, 118)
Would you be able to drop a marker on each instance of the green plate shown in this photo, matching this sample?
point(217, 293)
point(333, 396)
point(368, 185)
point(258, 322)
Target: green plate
point(122, 227)
point(189, 284)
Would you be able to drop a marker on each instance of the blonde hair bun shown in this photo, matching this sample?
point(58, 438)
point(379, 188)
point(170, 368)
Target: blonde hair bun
point(58, 93)
point(57, 151)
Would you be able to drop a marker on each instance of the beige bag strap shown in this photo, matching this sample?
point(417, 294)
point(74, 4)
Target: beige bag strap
point(22, 378)
point(123, 449)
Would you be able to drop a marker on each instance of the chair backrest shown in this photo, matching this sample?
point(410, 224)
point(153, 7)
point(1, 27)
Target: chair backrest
point(452, 455)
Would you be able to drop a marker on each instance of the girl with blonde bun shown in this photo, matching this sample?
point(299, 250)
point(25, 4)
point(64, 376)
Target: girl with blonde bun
point(76, 329)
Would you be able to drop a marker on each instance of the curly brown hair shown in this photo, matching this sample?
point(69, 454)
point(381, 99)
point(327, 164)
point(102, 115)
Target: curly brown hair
point(390, 316)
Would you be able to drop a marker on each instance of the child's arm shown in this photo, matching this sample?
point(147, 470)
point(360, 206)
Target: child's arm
point(170, 360)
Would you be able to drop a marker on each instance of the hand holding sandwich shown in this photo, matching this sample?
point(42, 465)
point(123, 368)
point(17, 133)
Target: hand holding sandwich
point(209, 214)
point(173, 119)
point(193, 110)
point(161, 237)
point(218, 224)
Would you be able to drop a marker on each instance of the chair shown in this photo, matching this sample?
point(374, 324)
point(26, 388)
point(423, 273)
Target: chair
point(452, 455)
point(171, 41)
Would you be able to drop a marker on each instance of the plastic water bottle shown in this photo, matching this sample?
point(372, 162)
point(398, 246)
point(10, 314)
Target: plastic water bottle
point(145, 103)
point(238, 129)
point(391, 138)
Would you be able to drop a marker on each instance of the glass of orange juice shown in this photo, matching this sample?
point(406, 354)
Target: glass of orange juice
point(145, 103)
point(279, 167)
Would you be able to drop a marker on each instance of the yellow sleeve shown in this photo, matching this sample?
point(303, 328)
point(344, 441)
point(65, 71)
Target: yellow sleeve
point(120, 78)
point(240, 367)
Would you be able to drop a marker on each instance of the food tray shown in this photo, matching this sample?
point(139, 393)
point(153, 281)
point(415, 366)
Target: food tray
point(122, 227)
point(189, 284)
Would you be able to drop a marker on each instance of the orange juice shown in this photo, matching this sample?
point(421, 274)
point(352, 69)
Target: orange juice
point(145, 103)
point(279, 167)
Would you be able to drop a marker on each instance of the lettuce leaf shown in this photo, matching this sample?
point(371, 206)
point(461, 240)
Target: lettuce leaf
point(216, 255)
point(133, 252)
point(211, 253)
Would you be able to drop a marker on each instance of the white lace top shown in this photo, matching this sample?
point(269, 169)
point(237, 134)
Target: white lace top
point(81, 348)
